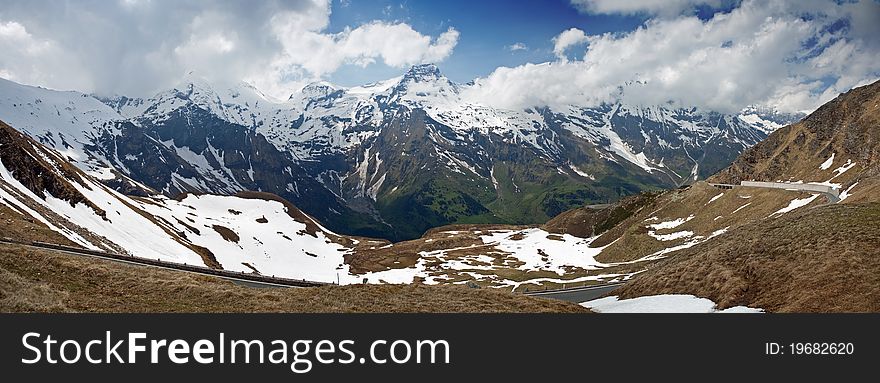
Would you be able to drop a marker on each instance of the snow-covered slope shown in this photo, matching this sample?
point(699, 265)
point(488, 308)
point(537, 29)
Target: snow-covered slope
point(65, 121)
point(250, 233)
point(240, 103)
point(253, 235)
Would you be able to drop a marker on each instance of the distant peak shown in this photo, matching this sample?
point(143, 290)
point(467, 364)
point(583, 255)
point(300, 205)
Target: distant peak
point(192, 81)
point(316, 90)
point(320, 85)
point(422, 72)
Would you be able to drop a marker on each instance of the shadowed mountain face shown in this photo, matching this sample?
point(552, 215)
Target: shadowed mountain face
point(391, 159)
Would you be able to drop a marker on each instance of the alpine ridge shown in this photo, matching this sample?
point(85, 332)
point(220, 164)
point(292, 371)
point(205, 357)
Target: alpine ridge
point(390, 159)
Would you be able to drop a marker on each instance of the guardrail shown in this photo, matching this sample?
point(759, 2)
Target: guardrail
point(808, 187)
point(830, 192)
point(572, 289)
point(250, 277)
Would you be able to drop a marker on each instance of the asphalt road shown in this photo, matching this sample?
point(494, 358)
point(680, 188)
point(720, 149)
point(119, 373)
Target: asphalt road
point(133, 261)
point(576, 294)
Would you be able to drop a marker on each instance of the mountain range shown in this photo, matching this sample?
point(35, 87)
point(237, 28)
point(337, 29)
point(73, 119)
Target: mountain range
point(777, 250)
point(388, 160)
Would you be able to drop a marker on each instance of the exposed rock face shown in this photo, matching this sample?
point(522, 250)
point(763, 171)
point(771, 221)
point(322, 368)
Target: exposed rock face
point(27, 164)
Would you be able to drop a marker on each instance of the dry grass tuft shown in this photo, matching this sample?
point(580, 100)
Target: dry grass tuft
point(21, 295)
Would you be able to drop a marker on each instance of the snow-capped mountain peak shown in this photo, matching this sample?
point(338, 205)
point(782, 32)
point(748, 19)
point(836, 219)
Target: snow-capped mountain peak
point(422, 73)
point(318, 89)
point(768, 119)
point(424, 84)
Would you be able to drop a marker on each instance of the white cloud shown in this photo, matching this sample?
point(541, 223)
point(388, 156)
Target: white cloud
point(307, 53)
point(24, 53)
point(517, 47)
point(761, 53)
point(137, 47)
point(566, 39)
point(316, 53)
point(632, 7)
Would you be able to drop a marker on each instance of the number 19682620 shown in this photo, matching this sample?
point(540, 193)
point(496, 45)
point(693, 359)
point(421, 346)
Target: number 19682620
point(809, 348)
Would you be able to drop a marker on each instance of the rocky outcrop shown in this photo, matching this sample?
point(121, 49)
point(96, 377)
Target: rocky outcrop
point(40, 170)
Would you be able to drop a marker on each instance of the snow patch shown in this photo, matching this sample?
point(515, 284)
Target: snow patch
point(670, 224)
point(741, 207)
point(847, 193)
point(795, 204)
point(843, 169)
point(582, 173)
point(827, 164)
point(715, 198)
point(538, 252)
point(667, 303)
point(671, 236)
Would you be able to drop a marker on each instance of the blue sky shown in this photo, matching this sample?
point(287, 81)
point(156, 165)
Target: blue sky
point(723, 55)
point(487, 29)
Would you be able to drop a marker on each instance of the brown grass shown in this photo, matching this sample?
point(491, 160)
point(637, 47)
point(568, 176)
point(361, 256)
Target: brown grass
point(822, 259)
point(226, 233)
point(24, 228)
point(18, 294)
point(633, 241)
point(34, 280)
point(586, 222)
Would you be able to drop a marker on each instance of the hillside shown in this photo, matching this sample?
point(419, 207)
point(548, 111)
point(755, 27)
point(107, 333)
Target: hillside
point(41, 281)
point(807, 256)
point(249, 232)
point(824, 259)
point(842, 134)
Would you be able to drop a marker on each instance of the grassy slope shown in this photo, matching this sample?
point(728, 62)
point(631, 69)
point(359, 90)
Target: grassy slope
point(14, 225)
point(817, 258)
point(822, 259)
point(43, 281)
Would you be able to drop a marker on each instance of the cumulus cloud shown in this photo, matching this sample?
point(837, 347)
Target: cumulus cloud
point(517, 47)
point(21, 49)
point(137, 47)
point(566, 39)
point(790, 55)
point(313, 53)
